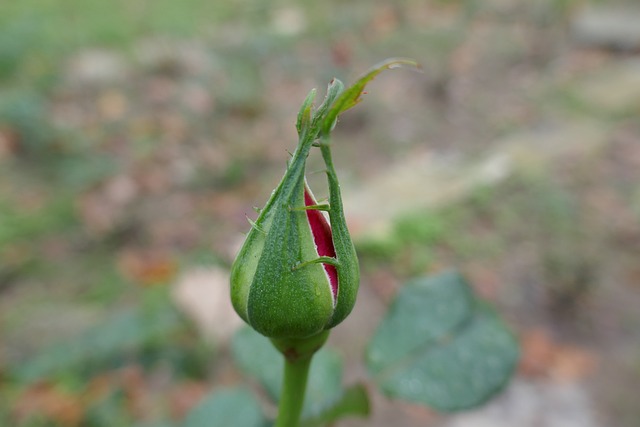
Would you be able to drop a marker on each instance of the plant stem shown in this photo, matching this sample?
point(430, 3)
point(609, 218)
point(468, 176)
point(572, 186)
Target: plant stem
point(293, 391)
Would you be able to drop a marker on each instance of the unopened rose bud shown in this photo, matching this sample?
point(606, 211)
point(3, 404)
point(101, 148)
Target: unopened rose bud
point(297, 273)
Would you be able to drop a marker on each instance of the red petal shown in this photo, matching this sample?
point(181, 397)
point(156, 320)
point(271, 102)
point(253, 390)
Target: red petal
point(321, 231)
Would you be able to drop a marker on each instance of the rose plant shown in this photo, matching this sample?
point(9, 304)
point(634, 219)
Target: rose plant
point(297, 276)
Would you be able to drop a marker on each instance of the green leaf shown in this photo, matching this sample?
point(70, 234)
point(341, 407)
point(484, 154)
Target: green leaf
point(351, 96)
point(111, 410)
point(440, 347)
point(256, 357)
point(354, 401)
point(227, 408)
point(162, 423)
point(424, 311)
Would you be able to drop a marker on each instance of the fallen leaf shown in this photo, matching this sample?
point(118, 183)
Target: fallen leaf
point(136, 389)
point(9, 143)
point(112, 105)
point(104, 208)
point(184, 396)
point(50, 402)
point(147, 267)
point(543, 357)
point(572, 364)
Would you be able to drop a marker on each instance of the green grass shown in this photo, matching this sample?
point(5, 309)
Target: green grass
point(16, 225)
point(76, 23)
point(35, 35)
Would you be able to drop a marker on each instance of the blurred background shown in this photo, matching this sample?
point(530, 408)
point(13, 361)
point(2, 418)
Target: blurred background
point(137, 136)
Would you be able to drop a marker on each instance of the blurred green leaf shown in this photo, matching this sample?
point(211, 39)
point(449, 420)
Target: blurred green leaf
point(353, 401)
point(227, 408)
point(82, 169)
point(156, 424)
point(16, 39)
point(116, 337)
point(256, 357)
point(423, 312)
point(440, 347)
point(25, 113)
point(16, 224)
point(109, 411)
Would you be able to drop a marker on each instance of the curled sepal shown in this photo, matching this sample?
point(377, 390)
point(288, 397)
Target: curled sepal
point(351, 96)
point(304, 115)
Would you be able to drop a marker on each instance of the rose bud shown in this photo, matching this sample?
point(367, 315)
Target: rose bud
point(297, 273)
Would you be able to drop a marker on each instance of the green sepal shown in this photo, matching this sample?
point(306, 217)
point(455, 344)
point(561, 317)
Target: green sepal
point(323, 207)
point(319, 260)
point(304, 115)
point(348, 268)
point(294, 349)
point(351, 96)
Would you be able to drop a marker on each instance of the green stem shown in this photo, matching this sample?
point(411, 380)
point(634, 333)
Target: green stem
point(293, 391)
point(297, 360)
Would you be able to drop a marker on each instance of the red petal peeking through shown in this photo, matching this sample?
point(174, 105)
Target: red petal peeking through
point(321, 231)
